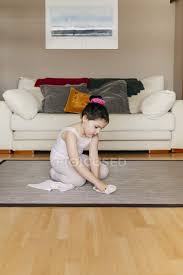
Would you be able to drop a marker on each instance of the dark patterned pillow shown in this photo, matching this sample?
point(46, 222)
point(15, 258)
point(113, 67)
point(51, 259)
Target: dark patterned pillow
point(134, 86)
point(115, 95)
point(55, 97)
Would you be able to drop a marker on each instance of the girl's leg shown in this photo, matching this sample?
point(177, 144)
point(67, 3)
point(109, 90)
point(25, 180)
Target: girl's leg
point(103, 170)
point(76, 180)
point(64, 171)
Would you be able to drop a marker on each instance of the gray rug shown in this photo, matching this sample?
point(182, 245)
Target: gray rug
point(139, 183)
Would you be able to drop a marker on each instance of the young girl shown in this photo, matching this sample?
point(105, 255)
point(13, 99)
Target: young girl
point(71, 168)
point(69, 165)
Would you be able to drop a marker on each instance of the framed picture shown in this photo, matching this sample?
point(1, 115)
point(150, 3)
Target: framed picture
point(81, 24)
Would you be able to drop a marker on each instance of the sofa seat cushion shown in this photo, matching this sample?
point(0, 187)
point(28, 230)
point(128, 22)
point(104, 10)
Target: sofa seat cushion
point(118, 122)
point(104, 135)
point(44, 122)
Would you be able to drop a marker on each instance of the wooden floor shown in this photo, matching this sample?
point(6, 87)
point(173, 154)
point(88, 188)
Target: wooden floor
point(87, 241)
point(92, 240)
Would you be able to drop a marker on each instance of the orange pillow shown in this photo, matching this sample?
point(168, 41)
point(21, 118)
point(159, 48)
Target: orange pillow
point(76, 101)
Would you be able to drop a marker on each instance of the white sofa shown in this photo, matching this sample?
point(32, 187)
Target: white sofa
point(124, 132)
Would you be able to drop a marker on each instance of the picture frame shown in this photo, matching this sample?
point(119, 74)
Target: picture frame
point(81, 24)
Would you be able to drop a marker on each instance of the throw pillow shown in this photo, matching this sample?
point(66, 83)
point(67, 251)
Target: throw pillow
point(115, 95)
point(60, 81)
point(55, 97)
point(76, 101)
point(135, 101)
point(36, 92)
point(21, 103)
point(158, 104)
point(134, 86)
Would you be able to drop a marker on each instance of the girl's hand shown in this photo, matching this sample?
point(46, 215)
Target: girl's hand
point(110, 189)
point(101, 185)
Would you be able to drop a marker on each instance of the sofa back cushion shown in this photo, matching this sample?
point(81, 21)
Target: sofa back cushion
point(154, 83)
point(25, 82)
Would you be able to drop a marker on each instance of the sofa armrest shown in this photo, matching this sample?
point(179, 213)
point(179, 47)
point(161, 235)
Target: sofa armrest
point(177, 134)
point(5, 127)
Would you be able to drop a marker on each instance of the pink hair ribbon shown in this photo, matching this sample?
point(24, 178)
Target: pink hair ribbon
point(98, 100)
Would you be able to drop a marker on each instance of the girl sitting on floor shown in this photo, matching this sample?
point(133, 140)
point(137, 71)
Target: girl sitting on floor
point(71, 168)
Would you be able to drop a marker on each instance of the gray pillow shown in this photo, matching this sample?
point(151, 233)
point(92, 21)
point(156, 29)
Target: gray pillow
point(55, 96)
point(115, 95)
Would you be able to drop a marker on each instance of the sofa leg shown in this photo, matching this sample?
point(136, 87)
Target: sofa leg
point(24, 152)
point(177, 150)
point(5, 151)
point(159, 151)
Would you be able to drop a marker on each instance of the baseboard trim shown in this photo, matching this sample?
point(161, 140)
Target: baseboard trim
point(177, 150)
point(24, 152)
point(5, 151)
point(32, 152)
point(159, 151)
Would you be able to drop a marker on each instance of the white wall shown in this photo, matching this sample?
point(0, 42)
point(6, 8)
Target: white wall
point(146, 44)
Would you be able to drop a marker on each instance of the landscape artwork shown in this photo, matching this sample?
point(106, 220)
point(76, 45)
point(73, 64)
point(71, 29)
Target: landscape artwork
point(81, 25)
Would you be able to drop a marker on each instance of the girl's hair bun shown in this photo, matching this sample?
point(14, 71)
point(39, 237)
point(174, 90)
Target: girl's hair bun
point(95, 96)
point(97, 99)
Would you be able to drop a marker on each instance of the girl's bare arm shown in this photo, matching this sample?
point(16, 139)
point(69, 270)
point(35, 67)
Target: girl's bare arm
point(71, 142)
point(93, 156)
